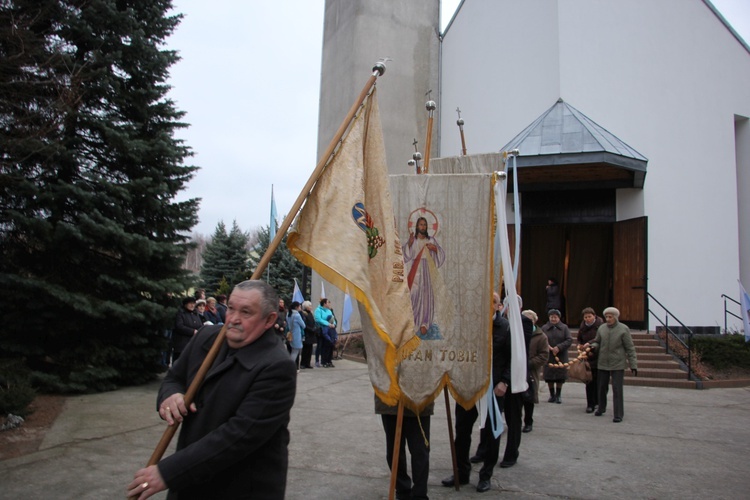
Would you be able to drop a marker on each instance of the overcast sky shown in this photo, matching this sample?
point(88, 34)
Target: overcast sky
point(249, 81)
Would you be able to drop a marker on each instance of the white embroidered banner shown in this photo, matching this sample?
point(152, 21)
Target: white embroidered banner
point(444, 224)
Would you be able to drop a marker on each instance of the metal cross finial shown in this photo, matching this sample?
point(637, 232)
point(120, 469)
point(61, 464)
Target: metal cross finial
point(428, 95)
point(415, 143)
point(458, 110)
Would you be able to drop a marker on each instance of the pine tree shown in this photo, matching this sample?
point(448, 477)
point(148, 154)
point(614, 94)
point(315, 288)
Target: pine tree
point(91, 235)
point(283, 267)
point(225, 257)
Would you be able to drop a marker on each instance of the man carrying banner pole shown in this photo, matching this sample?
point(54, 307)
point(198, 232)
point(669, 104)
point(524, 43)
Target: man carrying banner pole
point(143, 488)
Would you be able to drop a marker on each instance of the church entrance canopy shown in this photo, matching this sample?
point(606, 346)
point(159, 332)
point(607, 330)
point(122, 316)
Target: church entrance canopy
point(569, 170)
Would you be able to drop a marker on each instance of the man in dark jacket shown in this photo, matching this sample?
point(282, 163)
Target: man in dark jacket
point(186, 324)
point(511, 404)
point(234, 438)
point(465, 418)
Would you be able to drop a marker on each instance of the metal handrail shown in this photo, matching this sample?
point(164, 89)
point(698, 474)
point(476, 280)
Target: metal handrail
point(726, 311)
point(669, 332)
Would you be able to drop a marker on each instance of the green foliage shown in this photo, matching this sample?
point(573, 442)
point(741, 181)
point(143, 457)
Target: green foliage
point(725, 351)
point(92, 238)
point(16, 392)
point(283, 267)
point(224, 288)
point(225, 257)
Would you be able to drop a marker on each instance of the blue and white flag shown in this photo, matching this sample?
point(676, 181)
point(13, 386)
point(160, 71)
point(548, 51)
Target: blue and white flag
point(745, 305)
point(272, 223)
point(346, 314)
point(297, 295)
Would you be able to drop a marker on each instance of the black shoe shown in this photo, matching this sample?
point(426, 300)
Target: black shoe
point(331, 365)
point(552, 399)
point(558, 400)
point(507, 463)
point(617, 420)
point(526, 428)
point(476, 459)
point(599, 413)
point(450, 481)
point(484, 485)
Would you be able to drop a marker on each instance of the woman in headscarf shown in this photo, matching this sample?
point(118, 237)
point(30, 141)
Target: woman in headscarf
point(538, 355)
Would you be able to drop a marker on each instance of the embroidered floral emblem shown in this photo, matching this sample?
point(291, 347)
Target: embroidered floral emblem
point(364, 222)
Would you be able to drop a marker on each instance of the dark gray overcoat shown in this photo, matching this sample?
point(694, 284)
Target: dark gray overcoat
point(235, 445)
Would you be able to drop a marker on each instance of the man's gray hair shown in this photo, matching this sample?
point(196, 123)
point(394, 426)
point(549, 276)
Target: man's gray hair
point(269, 299)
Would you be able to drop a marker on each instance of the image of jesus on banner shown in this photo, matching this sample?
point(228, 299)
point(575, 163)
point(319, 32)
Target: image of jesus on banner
point(423, 255)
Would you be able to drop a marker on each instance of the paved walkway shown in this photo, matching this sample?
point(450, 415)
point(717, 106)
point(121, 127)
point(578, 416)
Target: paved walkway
point(673, 443)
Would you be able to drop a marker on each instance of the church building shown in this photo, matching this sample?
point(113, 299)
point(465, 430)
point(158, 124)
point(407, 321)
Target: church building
point(631, 123)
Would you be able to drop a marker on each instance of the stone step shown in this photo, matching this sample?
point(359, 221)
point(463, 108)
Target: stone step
point(657, 373)
point(645, 342)
point(650, 356)
point(662, 365)
point(649, 349)
point(660, 382)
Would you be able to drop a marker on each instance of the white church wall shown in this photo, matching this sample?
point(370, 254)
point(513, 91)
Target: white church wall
point(497, 86)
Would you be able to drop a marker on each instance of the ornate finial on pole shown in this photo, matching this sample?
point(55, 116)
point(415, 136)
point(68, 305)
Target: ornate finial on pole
point(510, 153)
point(379, 67)
point(416, 157)
point(430, 106)
point(460, 123)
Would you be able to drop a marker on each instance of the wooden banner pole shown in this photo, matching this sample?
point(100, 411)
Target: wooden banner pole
point(396, 449)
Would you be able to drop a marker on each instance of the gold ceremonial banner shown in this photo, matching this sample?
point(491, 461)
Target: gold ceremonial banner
point(346, 233)
point(445, 226)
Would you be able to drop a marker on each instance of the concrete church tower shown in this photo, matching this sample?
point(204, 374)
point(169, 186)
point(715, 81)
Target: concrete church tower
point(356, 34)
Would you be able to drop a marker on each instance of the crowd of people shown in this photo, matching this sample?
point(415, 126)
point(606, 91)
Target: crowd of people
point(271, 344)
point(608, 347)
point(299, 328)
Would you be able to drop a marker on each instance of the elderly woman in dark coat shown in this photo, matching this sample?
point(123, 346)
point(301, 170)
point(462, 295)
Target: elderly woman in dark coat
point(560, 340)
point(538, 356)
point(586, 334)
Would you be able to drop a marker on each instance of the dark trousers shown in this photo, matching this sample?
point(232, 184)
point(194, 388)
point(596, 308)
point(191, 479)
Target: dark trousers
point(326, 354)
point(464, 424)
point(528, 413)
point(318, 350)
point(592, 389)
point(513, 408)
point(617, 379)
point(420, 454)
point(306, 355)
